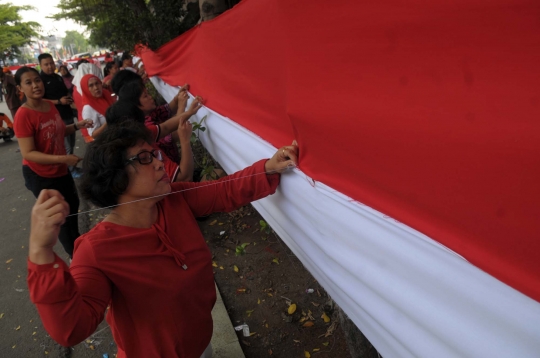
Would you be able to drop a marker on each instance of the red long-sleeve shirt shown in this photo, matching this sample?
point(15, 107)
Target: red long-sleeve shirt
point(158, 281)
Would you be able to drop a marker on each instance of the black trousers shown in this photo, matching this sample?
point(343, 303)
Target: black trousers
point(69, 232)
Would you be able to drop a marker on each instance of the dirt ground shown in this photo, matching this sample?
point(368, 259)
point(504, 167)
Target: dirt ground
point(260, 280)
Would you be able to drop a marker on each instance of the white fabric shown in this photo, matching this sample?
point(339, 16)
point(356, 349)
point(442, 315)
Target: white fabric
point(84, 69)
point(90, 113)
point(409, 295)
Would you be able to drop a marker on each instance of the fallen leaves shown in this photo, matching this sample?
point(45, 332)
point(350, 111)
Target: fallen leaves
point(330, 330)
point(325, 317)
point(292, 308)
point(18, 328)
point(326, 344)
point(214, 264)
point(8, 261)
point(249, 312)
point(213, 223)
point(308, 324)
point(306, 354)
point(235, 268)
point(275, 260)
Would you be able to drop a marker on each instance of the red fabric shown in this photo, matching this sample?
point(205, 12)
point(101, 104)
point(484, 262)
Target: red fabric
point(99, 104)
point(158, 309)
point(47, 130)
point(426, 111)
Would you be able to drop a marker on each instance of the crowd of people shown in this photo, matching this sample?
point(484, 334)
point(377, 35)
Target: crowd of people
point(146, 263)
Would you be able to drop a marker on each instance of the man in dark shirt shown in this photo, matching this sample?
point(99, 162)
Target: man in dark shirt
point(10, 90)
point(57, 92)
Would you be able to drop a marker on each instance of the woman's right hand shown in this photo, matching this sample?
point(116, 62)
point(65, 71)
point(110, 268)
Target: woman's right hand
point(182, 98)
point(71, 160)
point(48, 214)
point(184, 132)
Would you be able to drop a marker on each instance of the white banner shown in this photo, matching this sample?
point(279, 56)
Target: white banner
point(409, 295)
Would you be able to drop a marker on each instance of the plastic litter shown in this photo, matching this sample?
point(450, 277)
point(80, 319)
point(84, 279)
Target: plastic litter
point(244, 328)
point(310, 290)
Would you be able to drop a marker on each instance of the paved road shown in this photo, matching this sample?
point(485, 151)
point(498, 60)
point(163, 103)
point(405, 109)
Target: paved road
point(21, 332)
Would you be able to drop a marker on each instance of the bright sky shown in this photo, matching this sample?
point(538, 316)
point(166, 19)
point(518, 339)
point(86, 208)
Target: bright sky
point(46, 8)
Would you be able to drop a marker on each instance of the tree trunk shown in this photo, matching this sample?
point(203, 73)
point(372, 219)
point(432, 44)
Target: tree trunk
point(211, 8)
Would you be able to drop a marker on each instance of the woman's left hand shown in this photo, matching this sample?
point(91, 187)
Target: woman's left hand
point(285, 157)
point(85, 123)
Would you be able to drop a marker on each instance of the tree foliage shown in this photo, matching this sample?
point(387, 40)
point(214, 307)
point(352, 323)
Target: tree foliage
point(122, 24)
point(14, 33)
point(80, 44)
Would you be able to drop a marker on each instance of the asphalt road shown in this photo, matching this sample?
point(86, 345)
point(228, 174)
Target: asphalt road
point(21, 332)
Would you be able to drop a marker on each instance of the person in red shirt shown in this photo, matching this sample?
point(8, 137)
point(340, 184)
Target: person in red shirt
point(147, 259)
point(154, 115)
point(6, 133)
point(133, 99)
point(40, 132)
point(111, 68)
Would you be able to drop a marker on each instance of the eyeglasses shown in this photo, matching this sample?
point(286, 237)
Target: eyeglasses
point(145, 157)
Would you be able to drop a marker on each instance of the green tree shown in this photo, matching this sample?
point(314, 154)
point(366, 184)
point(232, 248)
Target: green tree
point(14, 33)
point(75, 39)
point(124, 23)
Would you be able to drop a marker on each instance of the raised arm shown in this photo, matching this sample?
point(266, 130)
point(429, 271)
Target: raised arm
point(179, 101)
point(71, 304)
point(172, 124)
point(233, 191)
point(187, 164)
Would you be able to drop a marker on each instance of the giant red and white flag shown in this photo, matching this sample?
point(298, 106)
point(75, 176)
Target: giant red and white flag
point(417, 200)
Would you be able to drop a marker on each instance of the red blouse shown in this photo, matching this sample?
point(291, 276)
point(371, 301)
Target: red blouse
point(47, 130)
point(158, 281)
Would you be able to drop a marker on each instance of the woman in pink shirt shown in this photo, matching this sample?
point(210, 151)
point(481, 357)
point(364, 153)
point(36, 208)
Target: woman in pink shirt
point(147, 259)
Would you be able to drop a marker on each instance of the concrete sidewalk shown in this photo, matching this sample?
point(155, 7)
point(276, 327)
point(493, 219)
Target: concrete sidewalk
point(225, 339)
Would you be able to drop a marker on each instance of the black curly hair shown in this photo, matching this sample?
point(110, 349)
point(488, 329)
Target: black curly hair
point(105, 176)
